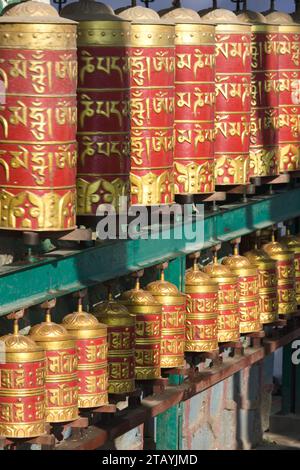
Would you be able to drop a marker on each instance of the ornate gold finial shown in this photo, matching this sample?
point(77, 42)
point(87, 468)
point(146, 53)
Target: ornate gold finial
point(80, 295)
point(249, 16)
point(235, 242)
point(221, 15)
point(140, 15)
point(195, 257)
point(273, 234)
point(215, 250)
point(16, 342)
point(137, 275)
point(279, 17)
point(182, 15)
point(48, 306)
point(15, 316)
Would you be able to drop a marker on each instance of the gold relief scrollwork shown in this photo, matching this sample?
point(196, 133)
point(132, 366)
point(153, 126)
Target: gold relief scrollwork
point(52, 211)
point(236, 169)
point(263, 162)
point(88, 193)
point(151, 188)
point(289, 158)
point(22, 430)
point(193, 176)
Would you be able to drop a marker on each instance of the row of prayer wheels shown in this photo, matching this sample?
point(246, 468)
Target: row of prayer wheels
point(165, 105)
point(58, 369)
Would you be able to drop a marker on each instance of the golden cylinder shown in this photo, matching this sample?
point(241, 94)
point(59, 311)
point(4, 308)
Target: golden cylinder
point(285, 266)
point(121, 349)
point(148, 316)
point(173, 321)
point(267, 285)
point(228, 311)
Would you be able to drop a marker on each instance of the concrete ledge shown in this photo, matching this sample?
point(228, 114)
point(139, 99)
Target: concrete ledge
point(285, 424)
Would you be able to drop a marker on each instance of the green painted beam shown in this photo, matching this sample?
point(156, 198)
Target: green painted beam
point(66, 271)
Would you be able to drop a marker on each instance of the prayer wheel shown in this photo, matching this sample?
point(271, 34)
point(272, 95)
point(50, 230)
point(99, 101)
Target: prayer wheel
point(267, 283)
point(233, 101)
point(61, 378)
point(173, 321)
point(152, 57)
point(228, 308)
point(293, 244)
point(91, 343)
point(148, 317)
point(264, 96)
point(121, 349)
point(38, 119)
point(284, 257)
point(201, 325)
point(22, 386)
point(194, 102)
point(288, 49)
point(247, 290)
point(103, 106)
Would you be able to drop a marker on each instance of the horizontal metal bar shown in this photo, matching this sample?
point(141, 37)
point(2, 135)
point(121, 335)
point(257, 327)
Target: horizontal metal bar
point(158, 403)
point(66, 271)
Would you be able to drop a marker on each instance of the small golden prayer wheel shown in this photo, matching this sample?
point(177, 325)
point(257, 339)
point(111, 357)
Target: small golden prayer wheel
point(121, 337)
point(201, 329)
point(293, 244)
point(173, 321)
point(148, 316)
point(22, 385)
point(228, 308)
point(247, 290)
point(61, 381)
point(284, 258)
point(267, 283)
point(91, 343)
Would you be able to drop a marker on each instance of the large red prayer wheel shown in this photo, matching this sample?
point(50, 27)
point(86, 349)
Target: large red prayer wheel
point(38, 119)
point(194, 102)
point(264, 96)
point(288, 48)
point(152, 107)
point(22, 387)
point(233, 103)
point(103, 106)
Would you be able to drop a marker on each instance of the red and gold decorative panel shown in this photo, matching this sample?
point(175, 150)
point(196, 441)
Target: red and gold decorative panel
point(194, 108)
point(264, 101)
point(233, 103)
point(103, 114)
point(38, 126)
